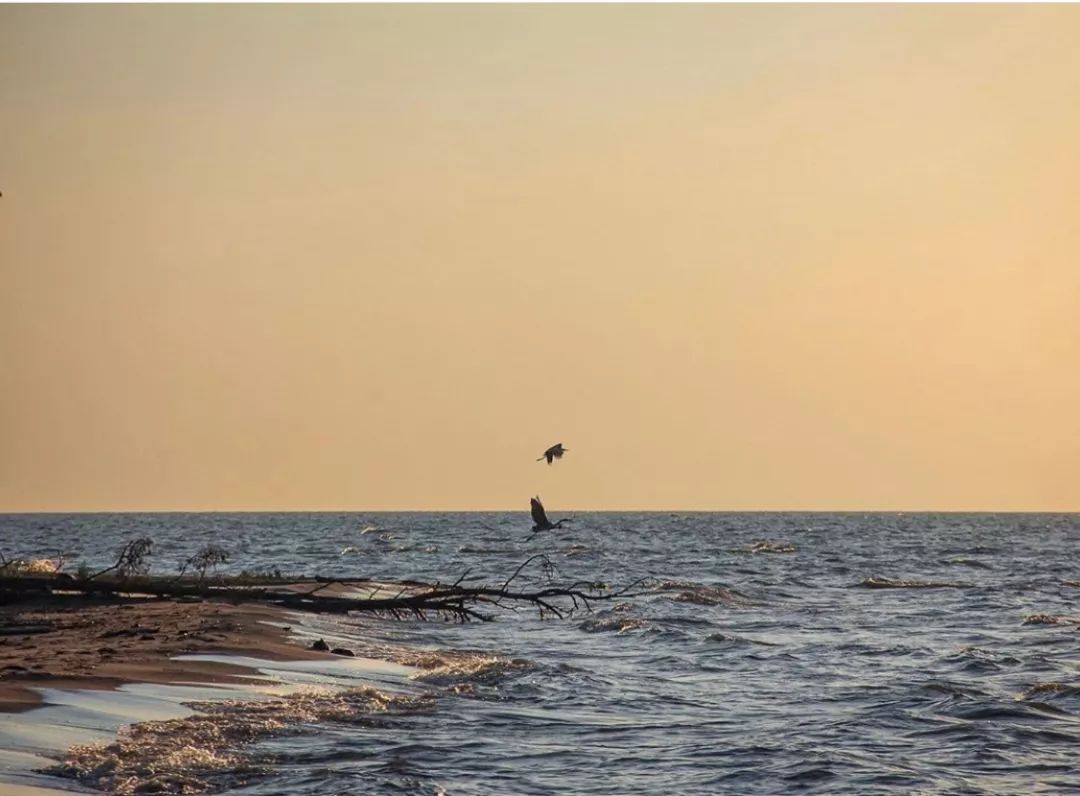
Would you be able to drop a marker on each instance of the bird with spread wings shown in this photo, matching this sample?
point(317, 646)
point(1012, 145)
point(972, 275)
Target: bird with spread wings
point(552, 453)
point(540, 518)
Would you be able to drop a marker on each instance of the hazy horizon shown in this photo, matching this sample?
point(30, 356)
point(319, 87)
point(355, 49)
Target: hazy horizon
point(794, 258)
point(561, 511)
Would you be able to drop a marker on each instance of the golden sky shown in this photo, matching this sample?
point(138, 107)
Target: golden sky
point(380, 257)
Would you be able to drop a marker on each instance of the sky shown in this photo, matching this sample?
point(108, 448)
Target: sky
point(362, 257)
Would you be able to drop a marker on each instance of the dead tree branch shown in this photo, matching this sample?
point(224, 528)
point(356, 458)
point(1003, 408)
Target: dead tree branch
point(412, 599)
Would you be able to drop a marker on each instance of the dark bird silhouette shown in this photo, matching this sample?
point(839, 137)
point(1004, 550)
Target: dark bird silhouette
point(540, 518)
point(552, 453)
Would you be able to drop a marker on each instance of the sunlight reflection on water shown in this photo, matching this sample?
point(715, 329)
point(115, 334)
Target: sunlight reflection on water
point(766, 667)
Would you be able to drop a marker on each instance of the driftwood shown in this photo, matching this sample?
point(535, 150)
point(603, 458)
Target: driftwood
point(456, 600)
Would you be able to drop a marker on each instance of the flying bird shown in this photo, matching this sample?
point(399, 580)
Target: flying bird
point(540, 518)
point(552, 453)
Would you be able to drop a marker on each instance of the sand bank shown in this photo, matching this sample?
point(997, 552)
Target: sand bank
point(103, 644)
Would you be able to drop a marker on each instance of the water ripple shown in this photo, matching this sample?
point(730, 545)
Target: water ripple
point(774, 653)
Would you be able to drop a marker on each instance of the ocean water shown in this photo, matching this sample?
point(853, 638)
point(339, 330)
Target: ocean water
point(772, 653)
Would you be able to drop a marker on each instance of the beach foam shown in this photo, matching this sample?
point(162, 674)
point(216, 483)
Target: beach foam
point(206, 750)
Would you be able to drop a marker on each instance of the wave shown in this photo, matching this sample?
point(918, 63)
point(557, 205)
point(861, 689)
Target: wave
point(1050, 619)
point(476, 669)
point(764, 546)
point(1049, 690)
point(977, 659)
point(700, 594)
point(728, 638)
point(614, 624)
point(974, 550)
point(1004, 712)
point(966, 562)
point(887, 583)
point(205, 751)
point(575, 550)
point(953, 690)
point(438, 667)
point(688, 621)
point(408, 548)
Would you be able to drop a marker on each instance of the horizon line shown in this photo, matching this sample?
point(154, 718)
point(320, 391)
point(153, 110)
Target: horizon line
point(7, 512)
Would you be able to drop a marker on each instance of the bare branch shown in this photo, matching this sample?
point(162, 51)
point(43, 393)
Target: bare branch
point(456, 601)
point(132, 559)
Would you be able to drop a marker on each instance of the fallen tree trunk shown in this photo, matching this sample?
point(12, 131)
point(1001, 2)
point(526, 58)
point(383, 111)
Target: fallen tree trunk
point(411, 598)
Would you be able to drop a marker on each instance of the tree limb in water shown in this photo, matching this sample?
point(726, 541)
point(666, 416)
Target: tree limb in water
point(413, 599)
point(132, 559)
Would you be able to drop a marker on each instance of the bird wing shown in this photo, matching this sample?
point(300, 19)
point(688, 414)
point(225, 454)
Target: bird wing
point(539, 516)
point(554, 452)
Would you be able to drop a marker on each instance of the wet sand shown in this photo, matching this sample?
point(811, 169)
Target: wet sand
point(104, 644)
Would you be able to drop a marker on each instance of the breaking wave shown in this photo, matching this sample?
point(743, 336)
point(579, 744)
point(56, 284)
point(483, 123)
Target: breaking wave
point(887, 583)
point(638, 695)
point(453, 668)
point(1050, 690)
point(699, 594)
point(613, 624)
point(1050, 619)
point(207, 751)
point(980, 660)
point(575, 550)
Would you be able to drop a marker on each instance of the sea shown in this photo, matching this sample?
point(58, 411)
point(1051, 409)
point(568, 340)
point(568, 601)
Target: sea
point(757, 653)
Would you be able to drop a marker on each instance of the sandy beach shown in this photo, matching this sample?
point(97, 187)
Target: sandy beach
point(125, 709)
point(103, 644)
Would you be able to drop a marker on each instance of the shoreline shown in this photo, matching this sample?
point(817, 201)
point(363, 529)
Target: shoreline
point(131, 695)
point(103, 644)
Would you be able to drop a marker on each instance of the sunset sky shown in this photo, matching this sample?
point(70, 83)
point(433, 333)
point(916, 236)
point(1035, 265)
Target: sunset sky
point(381, 257)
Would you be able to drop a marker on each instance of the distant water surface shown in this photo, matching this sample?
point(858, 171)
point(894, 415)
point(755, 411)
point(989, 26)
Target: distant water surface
point(780, 653)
